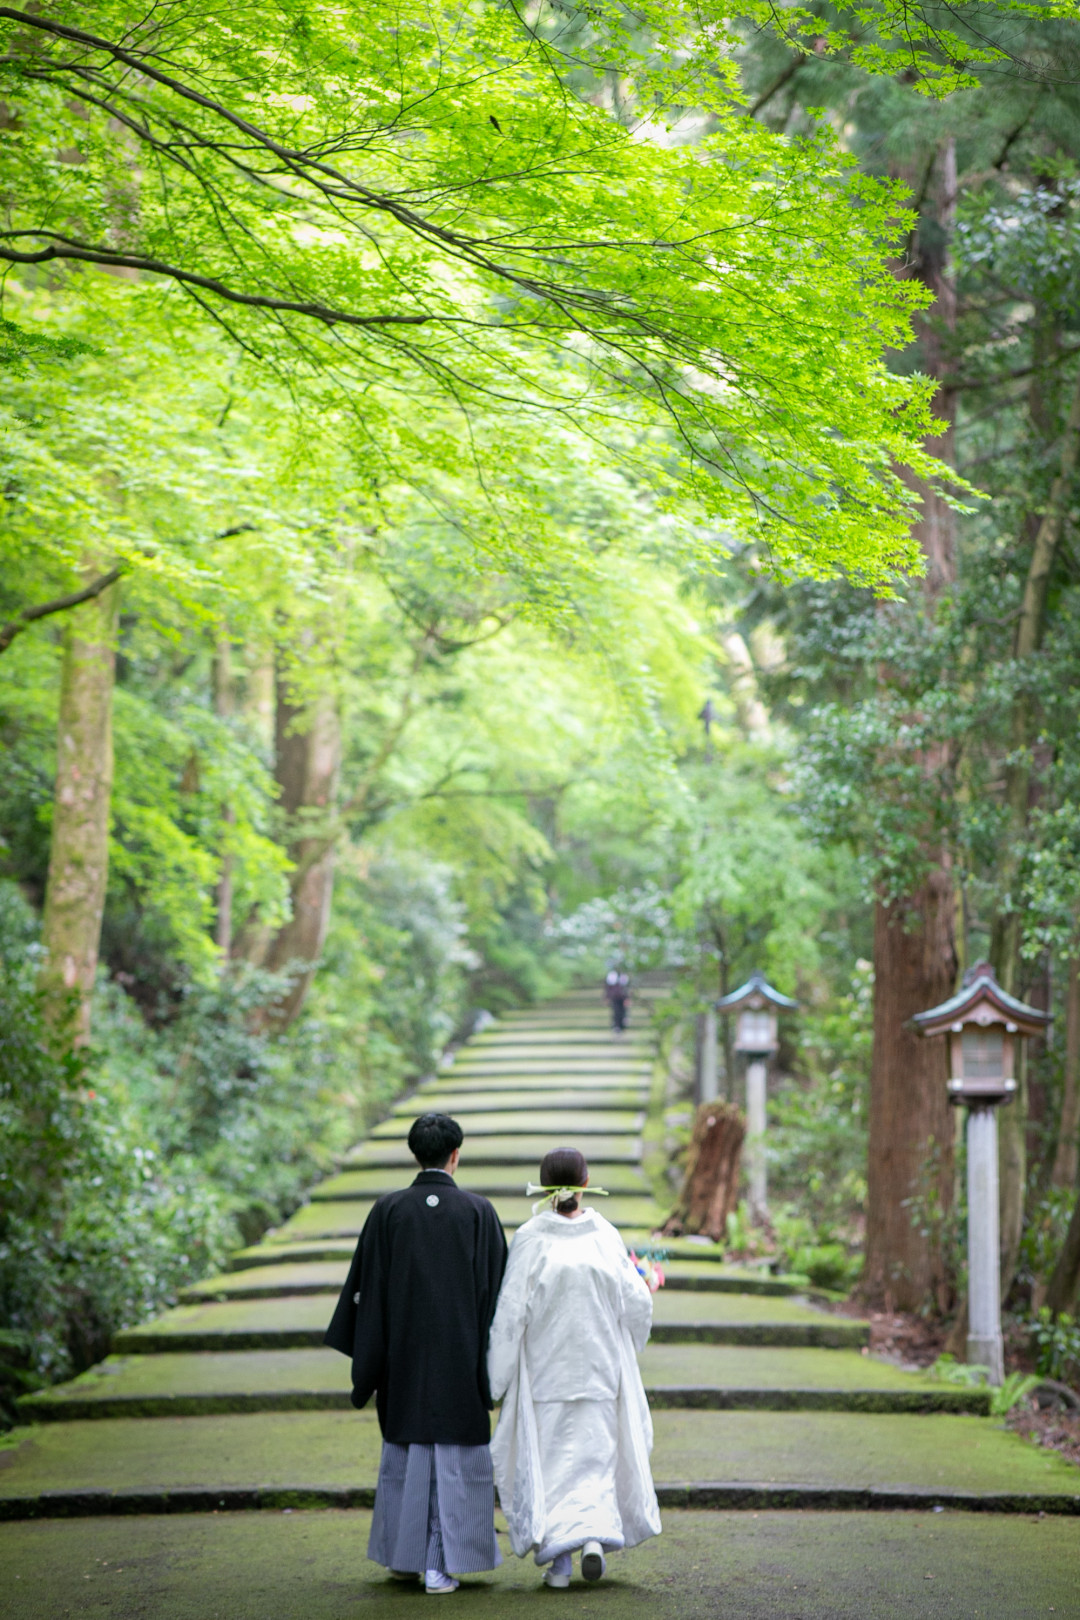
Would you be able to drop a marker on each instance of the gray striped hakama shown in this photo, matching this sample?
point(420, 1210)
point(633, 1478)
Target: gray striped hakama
point(434, 1509)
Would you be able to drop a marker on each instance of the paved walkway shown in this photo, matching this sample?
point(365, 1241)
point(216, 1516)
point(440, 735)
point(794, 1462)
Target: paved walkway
point(763, 1400)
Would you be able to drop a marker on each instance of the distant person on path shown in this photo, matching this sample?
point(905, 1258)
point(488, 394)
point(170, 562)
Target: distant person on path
point(617, 991)
point(414, 1317)
point(571, 1448)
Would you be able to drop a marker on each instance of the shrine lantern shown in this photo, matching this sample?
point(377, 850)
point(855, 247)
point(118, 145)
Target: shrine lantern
point(756, 1005)
point(983, 1024)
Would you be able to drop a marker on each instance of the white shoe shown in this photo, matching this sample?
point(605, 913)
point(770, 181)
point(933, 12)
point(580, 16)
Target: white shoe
point(436, 1581)
point(592, 1561)
point(559, 1578)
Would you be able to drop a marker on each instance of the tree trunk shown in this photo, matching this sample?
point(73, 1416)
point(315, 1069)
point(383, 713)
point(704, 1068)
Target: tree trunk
point(710, 1189)
point(1065, 1158)
point(911, 1129)
point(910, 1172)
point(1005, 939)
point(79, 851)
point(308, 761)
point(225, 705)
point(1063, 1293)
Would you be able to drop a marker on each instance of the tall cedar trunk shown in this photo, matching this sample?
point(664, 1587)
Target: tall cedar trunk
point(1005, 941)
point(1063, 1293)
point(914, 936)
point(307, 764)
point(79, 852)
point(911, 1125)
point(1065, 1157)
point(225, 704)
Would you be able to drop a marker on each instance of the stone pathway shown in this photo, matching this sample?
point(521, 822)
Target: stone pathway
point(763, 1399)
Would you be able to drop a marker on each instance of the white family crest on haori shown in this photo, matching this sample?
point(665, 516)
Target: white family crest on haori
point(571, 1449)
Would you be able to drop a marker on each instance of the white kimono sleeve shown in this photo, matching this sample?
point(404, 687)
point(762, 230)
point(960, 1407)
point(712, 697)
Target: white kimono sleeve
point(515, 1447)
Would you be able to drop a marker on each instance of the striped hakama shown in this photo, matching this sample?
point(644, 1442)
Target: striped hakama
point(434, 1509)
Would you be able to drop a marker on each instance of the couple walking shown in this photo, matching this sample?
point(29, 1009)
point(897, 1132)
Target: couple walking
point(440, 1323)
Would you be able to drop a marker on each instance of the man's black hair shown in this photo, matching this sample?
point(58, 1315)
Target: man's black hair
point(433, 1138)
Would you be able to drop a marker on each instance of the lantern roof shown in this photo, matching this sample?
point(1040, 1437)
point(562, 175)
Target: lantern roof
point(981, 1000)
point(754, 993)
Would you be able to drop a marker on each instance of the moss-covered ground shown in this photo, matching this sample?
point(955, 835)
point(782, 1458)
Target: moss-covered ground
point(342, 1448)
point(705, 1566)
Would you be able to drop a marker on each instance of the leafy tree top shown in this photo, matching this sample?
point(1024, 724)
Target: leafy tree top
point(409, 211)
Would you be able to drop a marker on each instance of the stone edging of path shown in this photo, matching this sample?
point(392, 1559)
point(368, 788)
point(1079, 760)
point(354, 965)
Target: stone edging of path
point(716, 1495)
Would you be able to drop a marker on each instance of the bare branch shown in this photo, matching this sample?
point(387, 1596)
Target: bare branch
point(59, 604)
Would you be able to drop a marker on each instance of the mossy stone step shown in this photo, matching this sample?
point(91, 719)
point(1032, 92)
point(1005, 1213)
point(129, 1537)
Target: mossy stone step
point(722, 1306)
point(272, 1282)
point(268, 1256)
point(299, 1320)
point(552, 1071)
point(488, 1181)
point(698, 1376)
point(500, 1150)
point(320, 1449)
point(447, 1099)
point(775, 1378)
point(604, 1124)
point(221, 1381)
point(346, 1217)
point(528, 1086)
point(586, 1040)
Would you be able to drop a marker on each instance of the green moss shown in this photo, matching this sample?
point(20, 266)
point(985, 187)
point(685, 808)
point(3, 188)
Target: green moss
point(706, 1566)
point(855, 1449)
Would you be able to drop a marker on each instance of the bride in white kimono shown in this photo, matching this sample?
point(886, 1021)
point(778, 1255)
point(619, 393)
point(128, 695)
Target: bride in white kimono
point(571, 1449)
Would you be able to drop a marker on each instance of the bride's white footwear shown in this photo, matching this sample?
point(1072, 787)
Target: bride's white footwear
point(558, 1571)
point(435, 1581)
point(592, 1561)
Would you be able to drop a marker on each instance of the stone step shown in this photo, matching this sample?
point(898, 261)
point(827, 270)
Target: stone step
point(526, 1086)
point(606, 1125)
point(294, 1321)
point(702, 1377)
point(320, 1450)
point(490, 1181)
point(344, 1218)
point(584, 1039)
point(712, 1563)
point(526, 1151)
point(312, 1271)
point(554, 1061)
point(447, 1099)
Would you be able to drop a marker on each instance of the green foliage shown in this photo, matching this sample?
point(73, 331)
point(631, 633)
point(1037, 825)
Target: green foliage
point(1016, 1388)
point(950, 1371)
point(1044, 1232)
point(1057, 1344)
point(585, 272)
point(818, 1121)
point(95, 1231)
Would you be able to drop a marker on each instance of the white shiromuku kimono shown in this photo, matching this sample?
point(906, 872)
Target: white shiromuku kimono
point(571, 1449)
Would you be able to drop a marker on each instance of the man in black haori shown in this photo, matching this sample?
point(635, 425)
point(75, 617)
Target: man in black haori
point(414, 1317)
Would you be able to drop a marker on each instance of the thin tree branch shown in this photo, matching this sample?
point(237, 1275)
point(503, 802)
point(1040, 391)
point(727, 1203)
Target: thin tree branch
point(59, 604)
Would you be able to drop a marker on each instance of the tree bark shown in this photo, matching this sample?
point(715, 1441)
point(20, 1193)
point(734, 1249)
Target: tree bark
point(79, 851)
point(710, 1189)
point(1065, 1157)
point(225, 705)
point(1005, 938)
point(910, 1170)
point(910, 1173)
point(1064, 1290)
point(307, 767)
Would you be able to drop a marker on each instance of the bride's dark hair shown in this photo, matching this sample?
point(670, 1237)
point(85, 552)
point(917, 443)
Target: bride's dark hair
point(564, 1167)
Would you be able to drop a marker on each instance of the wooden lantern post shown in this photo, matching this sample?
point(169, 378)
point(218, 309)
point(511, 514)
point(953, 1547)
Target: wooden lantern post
point(756, 1003)
point(983, 1023)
